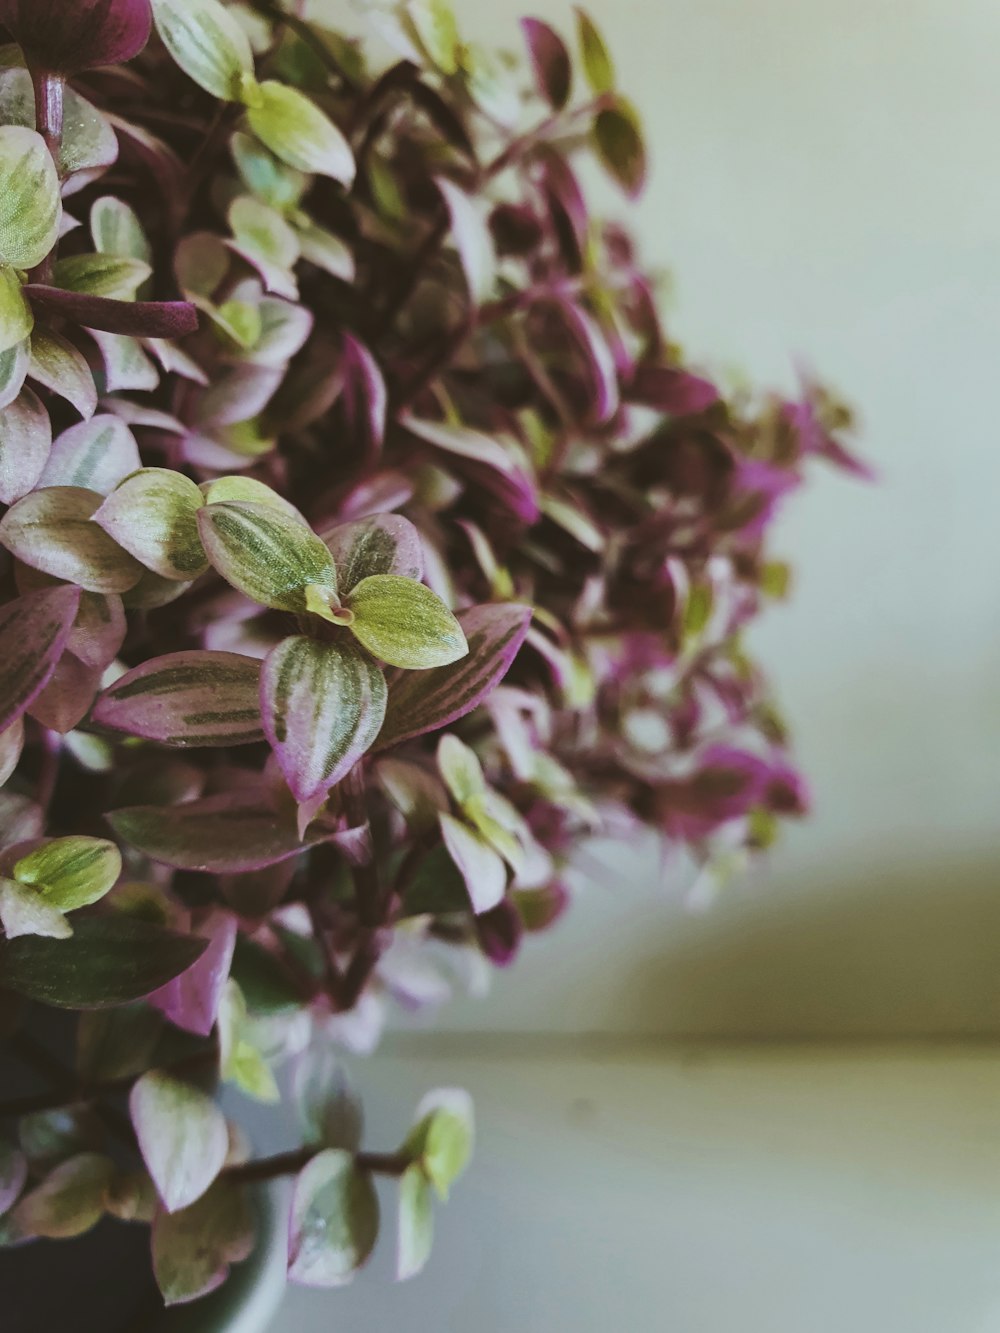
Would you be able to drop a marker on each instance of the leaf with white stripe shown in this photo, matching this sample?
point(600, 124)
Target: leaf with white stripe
point(187, 699)
point(153, 515)
point(52, 531)
point(58, 365)
point(95, 454)
point(25, 441)
point(33, 633)
point(30, 204)
point(322, 707)
point(382, 544)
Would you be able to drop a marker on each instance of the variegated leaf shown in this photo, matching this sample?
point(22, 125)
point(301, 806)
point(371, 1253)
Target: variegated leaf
point(429, 700)
point(299, 133)
point(33, 633)
point(153, 515)
point(25, 441)
point(404, 623)
point(62, 368)
point(52, 530)
point(187, 699)
point(265, 553)
point(95, 454)
point(382, 544)
point(30, 205)
point(322, 707)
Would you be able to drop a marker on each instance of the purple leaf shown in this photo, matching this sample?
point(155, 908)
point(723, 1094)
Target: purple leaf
point(187, 699)
point(322, 706)
point(33, 634)
point(137, 319)
point(182, 1135)
point(95, 454)
point(597, 359)
point(499, 933)
point(99, 629)
point(67, 695)
point(550, 61)
point(191, 1001)
point(429, 700)
point(677, 392)
point(222, 834)
point(486, 459)
point(382, 544)
point(363, 396)
point(67, 38)
point(25, 441)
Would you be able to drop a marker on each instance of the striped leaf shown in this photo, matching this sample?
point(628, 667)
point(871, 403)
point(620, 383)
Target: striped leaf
point(25, 441)
point(428, 700)
point(99, 629)
point(266, 554)
point(30, 206)
point(322, 707)
point(88, 144)
point(404, 623)
point(71, 872)
point(51, 530)
point(111, 959)
point(95, 454)
point(481, 867)
point(153, 515)
point(208, 43)
point(223, 834)
point(187, 699)
point(382, 544)
point(33, 633)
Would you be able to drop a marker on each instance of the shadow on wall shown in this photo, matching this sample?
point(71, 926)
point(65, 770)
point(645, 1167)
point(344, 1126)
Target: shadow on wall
point(893, 951)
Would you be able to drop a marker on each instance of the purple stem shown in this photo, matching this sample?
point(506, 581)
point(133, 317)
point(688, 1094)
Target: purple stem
point(48, 89)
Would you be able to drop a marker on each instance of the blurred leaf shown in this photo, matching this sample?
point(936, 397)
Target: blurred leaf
point(334, 1221)
point(295, 129)
point(620, 146)
point(597, 63)
point(69, 1201)
point(193, 1248)
point(416, 1223)
point(182, 1135)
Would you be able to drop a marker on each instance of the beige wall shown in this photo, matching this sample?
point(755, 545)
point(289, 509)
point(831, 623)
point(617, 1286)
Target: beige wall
point(827, 190)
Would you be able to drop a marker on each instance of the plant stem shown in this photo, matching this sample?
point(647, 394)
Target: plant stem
point(291, 1163)
point(48, 89)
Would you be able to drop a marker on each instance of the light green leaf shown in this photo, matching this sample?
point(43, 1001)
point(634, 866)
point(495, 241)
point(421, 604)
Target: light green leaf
point(416, 1223)
point(241, 1062)
point(192, 1249)
point(265, 240)
point(13, 372)
point(116, 230)
point(443, 1136)
point(208, 44)
point(88, 144)
point(16, 319)
point(334, 1220)
point(250, 489)
point(460, 768)
point(239, 321)
point(69, 1201)
point(299, 133)
point(101, 275)
point(597, 64)
point(154, 515)
point(326, 251)
point(30, 205)
point(71, 872)
point(266, 554)
point(23, 911)
point(404, 623)
point(272, 181)
point(435, 27)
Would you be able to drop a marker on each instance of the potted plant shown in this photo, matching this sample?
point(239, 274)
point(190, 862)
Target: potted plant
point(366, 546)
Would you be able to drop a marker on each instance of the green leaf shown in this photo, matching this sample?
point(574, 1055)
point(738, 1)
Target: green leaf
point(30, 206)
point(88, 144)
point(267, 555)
point(269, 179)
point(434, 24)
point(71, 872)
point(299, 133)
point(241, 1061)
point(182, 1135)
point(460, 768)
point(101, 275)
point(328, 1108)
point(116, 230)
point(443, 1136)
point(404, 623)
point(265, 240)
point(238, 487)
point(416, 1223)
point(208, 43)
point(334, 1220)
point(597, 63)
point(619, 143)
point(267, 985)
point(192, 1249)
point(23, 911)
point(109, 960)
point(16, 319)
point(117, 1043)
point(154, 515)
point(69, 1201)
